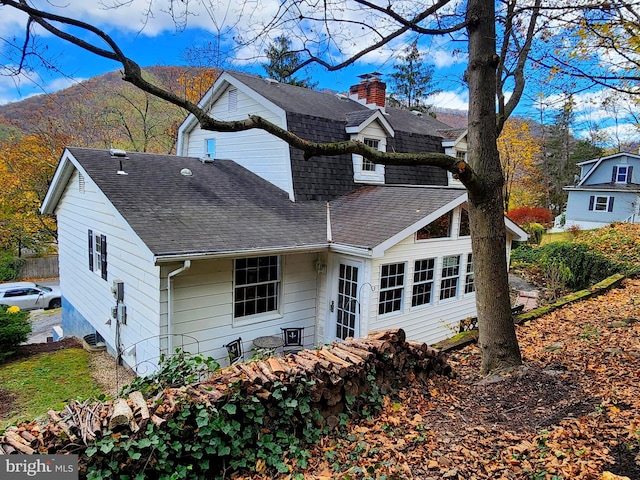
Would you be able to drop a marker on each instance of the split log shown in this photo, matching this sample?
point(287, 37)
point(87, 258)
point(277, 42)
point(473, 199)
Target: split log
point(306, 365)
point(347, 356)
point(363, 354)
point(139, 404)
point(157, 421)
point(276, 367)
point(338, 365)
point(9, 450)
point(17, 442)
point(253, 376)
point(122, 414)
point(53, 415)
point(27, 436)
point(394, 335)
point(315, 358)
point(266, 371)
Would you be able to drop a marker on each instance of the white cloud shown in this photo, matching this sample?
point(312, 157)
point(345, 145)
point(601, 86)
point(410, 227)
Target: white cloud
point(450, 99)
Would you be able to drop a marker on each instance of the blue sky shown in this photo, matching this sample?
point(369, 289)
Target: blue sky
point(153, 40)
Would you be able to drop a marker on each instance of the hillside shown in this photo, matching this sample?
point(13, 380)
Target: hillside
point(105, 111)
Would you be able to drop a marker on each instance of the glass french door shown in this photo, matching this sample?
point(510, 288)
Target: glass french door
point(347, 306)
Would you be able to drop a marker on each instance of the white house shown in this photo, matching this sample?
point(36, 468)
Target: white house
point(239, 236)
point(607, 191)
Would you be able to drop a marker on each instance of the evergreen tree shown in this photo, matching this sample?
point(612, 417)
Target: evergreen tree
point(283, 62)
point(411, 82)
point(562, 152)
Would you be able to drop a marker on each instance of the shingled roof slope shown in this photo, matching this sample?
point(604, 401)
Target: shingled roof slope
point(384, 210)
point(221, 207)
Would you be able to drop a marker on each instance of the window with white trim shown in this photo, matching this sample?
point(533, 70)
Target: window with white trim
point(368, 165)
point(469, 279)
point(256, 285)
point(423, 274)
point(439, 228)
point(210, 146)
point(465, 229)
point(449, 278)
point(461, 155)
point(622, 174)
point(391, 288)
point(601, 203)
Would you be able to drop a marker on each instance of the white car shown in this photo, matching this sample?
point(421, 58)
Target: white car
point(29, 296)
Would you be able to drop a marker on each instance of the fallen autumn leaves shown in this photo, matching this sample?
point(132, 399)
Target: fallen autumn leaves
point(570, 413)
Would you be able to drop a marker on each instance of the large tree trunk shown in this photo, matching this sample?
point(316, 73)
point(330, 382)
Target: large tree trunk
point(497, 338)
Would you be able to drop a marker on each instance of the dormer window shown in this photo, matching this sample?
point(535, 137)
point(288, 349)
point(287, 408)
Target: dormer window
point(364, 170)
point(621, 174)
point(368, 165)
point(461, 155)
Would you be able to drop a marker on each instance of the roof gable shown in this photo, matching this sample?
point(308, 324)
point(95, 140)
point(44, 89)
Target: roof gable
point(598, 162)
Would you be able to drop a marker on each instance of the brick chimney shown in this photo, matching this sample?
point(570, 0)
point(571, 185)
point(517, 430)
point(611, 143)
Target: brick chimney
point(370, 89)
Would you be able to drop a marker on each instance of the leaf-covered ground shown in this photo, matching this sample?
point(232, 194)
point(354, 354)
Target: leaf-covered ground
point(572, 412)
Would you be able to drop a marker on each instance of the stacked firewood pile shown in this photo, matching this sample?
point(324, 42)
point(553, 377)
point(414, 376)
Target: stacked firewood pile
point(339, 371)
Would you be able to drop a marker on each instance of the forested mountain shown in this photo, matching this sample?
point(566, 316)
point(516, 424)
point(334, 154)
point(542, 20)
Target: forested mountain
point(105, 111)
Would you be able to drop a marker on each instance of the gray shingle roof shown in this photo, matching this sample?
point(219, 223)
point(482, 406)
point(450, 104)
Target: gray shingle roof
point(221, 207)
point(323, 116)
point(370, 215)
point(327, 104)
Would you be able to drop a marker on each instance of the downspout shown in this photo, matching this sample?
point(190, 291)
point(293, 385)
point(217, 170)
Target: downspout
point(186, 266)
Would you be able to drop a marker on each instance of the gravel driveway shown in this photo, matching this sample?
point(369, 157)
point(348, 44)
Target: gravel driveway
point(42, 321)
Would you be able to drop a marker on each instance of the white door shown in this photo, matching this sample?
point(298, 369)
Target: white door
point(344, 308)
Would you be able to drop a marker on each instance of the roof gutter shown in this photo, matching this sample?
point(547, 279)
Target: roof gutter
point(186, 266)
point(183, 257)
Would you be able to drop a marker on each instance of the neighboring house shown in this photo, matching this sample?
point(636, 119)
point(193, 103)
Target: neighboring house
point(239, 236)
point(607, 191)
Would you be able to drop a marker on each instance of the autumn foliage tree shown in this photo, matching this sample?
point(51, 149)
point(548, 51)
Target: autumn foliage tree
point(520, 157)
point(26, 168)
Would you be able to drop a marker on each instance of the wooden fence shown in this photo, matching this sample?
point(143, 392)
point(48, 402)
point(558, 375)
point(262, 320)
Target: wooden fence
point(40, 267)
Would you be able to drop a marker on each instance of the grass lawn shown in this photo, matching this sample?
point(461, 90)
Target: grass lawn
point(45, 381)
point(556, 237)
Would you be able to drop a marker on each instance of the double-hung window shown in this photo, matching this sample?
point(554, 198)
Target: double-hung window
point(423, 274)
point(600, 203)
point(97, 246)
point(256, 285)
point(368, 165)
point(621, 174)
point(469, 279)
point(449, 278)
point(391, 288)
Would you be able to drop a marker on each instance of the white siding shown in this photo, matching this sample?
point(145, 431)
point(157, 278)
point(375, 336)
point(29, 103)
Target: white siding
point(424, 323)
point(256, 150)
point(128, 259)
point(203, 304)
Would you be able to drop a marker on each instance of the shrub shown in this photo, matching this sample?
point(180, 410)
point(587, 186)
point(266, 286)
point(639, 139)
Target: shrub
point(535, 231)
point(564, 264)
point(14, 330)
point(526, 215)
point(175, 370)
point(9, 266)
